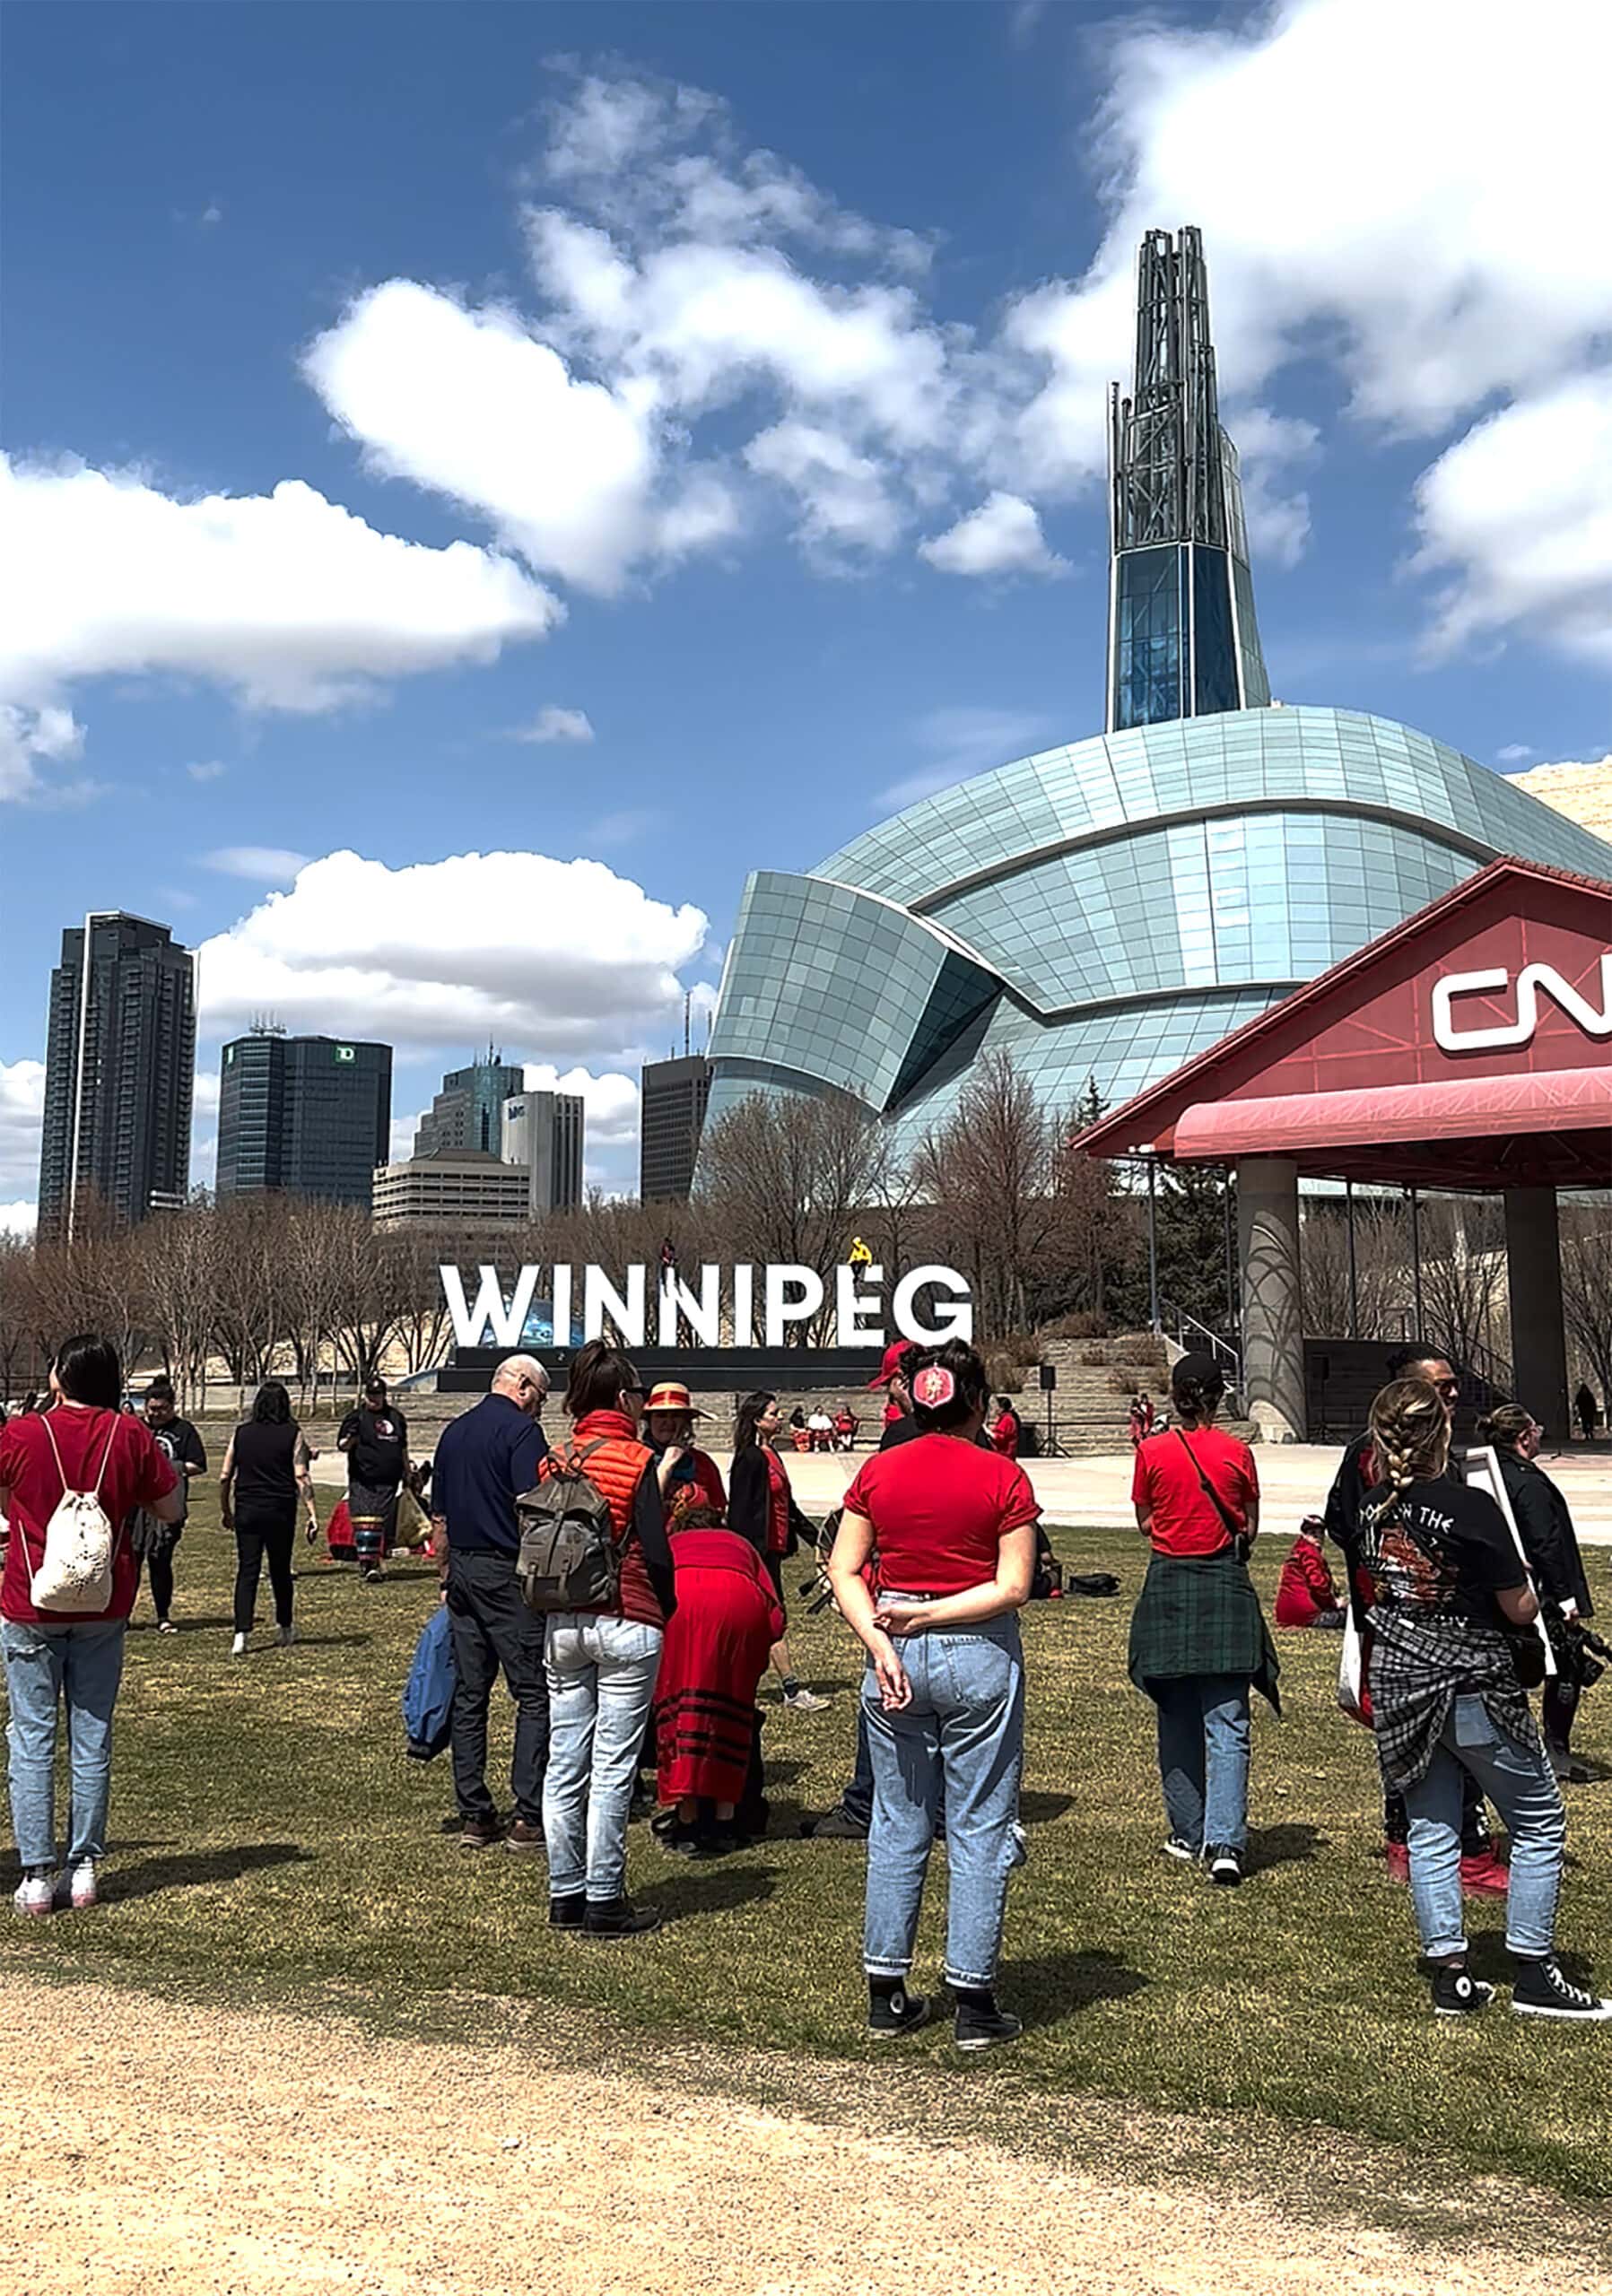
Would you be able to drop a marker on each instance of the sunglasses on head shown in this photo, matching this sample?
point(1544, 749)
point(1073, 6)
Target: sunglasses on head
point(1448, 1386)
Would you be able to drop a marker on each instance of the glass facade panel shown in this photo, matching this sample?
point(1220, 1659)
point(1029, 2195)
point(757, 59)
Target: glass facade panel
point(1214, 648)
point(1150, 611)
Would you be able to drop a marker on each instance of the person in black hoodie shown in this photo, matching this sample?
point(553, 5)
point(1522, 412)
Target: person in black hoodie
point(375, 1437)
point(1483, 1871)
point(1550, 1542)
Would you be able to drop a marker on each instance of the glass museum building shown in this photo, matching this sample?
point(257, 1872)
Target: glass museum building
point(1106, 910)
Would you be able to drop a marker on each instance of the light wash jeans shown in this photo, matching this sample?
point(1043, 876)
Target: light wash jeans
point(601, 1680)
point(1204, 1736)
point(79, 1664)
point(966, 1725)
point(1518, 1781)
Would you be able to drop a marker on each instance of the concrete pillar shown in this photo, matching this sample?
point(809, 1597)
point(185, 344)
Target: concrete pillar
point(1533, 1265)
point(1273, 1329)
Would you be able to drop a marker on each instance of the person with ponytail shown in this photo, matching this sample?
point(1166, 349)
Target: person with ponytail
point(1545, 1526)
point(1446, 1583)
point(1198, 1640)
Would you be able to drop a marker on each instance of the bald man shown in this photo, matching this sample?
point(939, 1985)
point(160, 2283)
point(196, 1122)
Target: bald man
point(485, 1461)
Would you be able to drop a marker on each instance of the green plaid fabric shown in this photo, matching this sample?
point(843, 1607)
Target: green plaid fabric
point(1198, 1614)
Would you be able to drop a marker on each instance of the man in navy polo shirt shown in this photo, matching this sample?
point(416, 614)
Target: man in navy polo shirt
point(483, 1462)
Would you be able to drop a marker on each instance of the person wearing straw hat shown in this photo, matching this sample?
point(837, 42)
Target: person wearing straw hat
point(689, 1477)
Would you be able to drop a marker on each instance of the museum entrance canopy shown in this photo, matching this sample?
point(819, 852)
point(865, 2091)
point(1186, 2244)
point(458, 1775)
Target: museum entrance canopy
point(1470, 1048)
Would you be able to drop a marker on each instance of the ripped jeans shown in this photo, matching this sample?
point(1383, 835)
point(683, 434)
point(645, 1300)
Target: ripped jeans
point(966, 1725)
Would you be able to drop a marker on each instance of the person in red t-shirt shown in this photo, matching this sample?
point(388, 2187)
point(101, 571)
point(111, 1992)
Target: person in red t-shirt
point(1005, 1428)
point(1198, 1640)
point(85, 1442)
point(934, 1560)
point(1306, 1593)
point(892, 1376)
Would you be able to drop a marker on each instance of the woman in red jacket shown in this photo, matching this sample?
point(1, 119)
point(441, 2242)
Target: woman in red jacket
point(601, 1664)
point(727, 1620)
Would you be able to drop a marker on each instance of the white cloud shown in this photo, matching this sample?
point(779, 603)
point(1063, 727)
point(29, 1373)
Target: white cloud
point(844, 503)
point(213, 212)
point(1002, 536)
point(19, 1217)
point(27, 736)
point(286, 599)
point(610, 1101)
point(266, 865)
point(1518, 514)
point(553, 724)
point(511, 947)
point(209, 769)
point(204, 1092)
point(1515, 753)
point(400, 1140)
point(21, 1112)
point(960, 742)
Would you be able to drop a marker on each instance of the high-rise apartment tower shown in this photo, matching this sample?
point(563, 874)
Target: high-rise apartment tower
point(120, 1070)
point(672, 1119)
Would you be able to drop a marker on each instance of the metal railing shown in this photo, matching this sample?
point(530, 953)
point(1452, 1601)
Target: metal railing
point(1179, 1324)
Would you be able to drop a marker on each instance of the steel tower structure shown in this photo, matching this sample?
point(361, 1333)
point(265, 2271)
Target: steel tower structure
point(1182, 638)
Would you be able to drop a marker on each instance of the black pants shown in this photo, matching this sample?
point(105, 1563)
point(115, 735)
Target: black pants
point(159, 1569)
point(263, 1534)
point(490, 1627)
point(1558, 1704)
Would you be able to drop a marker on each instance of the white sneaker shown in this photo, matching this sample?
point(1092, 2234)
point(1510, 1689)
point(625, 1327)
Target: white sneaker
point(804, 1701)
point(78, 1884)
point(288, 1635)
point(35, 1895)
point(238, 1648)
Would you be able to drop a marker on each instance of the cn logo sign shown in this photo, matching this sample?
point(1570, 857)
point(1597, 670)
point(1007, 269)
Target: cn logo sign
point(1531, 980)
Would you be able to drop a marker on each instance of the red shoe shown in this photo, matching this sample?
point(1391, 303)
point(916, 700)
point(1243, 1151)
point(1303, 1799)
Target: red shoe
point(1399, 1862)
point(1486, 1875)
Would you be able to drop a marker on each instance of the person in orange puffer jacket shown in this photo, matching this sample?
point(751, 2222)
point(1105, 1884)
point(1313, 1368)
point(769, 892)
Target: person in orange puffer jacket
point(601, 1664)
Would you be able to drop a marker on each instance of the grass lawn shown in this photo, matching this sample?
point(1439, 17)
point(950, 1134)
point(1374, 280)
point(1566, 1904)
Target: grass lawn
point(269, 1837)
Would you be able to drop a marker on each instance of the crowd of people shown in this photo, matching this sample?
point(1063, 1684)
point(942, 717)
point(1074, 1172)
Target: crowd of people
point(633, 1604)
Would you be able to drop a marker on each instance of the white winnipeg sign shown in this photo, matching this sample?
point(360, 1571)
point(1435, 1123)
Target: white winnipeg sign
point(927, 1305)
point(1451, 1038)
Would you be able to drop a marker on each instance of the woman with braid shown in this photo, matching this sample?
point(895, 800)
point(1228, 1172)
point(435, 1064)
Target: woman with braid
point(1446, 1702)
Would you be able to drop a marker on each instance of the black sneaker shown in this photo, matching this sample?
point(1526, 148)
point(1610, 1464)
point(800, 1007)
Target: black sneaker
point(1539, 1990)
point(892, 2015)
point(834, 1825)
point(1224, 1863)
point(1179, 1847)
point(980, 2024)
point(567, 1913)
point(619, 1917)
point(1457, 1992)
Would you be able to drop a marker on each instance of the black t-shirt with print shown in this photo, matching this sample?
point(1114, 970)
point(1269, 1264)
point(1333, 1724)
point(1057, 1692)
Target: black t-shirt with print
point(1444, 1546)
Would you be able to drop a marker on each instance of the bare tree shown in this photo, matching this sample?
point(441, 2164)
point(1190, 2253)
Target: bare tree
point(1463, 1275)
point(1587, 1289)
point(177, 1257)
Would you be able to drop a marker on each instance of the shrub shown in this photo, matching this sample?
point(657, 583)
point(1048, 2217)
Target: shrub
point(1084, 1323)
point(1092, 1355)
point(1144, 1347)
point(1004, 1371)
point(1123, 1382)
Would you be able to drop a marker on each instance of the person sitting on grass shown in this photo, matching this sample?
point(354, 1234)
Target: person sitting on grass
point(1447, 1700)
point(932, 1563)
point(57, 1659)
point(712, 1663)
point(1198, 1640)
point(1306, 1593)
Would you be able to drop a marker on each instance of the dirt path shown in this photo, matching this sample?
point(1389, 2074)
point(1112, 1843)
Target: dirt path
point(150, 2147)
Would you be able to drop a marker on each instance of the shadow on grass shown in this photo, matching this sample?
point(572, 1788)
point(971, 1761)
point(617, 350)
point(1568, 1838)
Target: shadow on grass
point(195, 1869)
point(715, 1887)
point(1040, 1809)
point(1046, 1987)
point(1291, 1845)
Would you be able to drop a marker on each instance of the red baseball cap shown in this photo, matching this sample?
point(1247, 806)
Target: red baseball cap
point(895, 1355)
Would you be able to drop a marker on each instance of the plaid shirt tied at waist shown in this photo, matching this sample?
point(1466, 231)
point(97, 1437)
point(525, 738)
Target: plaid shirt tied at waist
point(1422, 1660)
point(1198, 1614)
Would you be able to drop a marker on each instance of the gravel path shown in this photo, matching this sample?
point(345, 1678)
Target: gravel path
point(188, 2149)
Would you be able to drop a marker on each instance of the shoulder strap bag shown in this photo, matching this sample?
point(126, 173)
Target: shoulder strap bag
point(1239, 1538)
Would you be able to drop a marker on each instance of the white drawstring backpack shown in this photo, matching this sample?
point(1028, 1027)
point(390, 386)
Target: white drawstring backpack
point(75, 1571)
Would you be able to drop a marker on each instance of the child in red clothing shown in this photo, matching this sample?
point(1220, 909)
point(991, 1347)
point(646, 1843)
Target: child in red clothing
point(1305, 1594)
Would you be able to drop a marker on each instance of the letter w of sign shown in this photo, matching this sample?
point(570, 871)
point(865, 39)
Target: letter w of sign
point(1531, 980)
point(506, 1317)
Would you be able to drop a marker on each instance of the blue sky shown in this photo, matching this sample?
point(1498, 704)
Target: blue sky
point(644, 443)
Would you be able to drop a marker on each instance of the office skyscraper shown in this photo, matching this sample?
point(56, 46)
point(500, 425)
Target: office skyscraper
point(310, 1114)
point(468, 1112)
point(120, 1070)
point(671, 1120)
point(1182, 638)
point(544, 1132)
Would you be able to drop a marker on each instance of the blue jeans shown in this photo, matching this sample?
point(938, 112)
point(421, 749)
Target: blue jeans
point(601, 1680)
point(965, 1725)
point(1203, 1758)
point(1518, 1781)
point(78, 1664)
